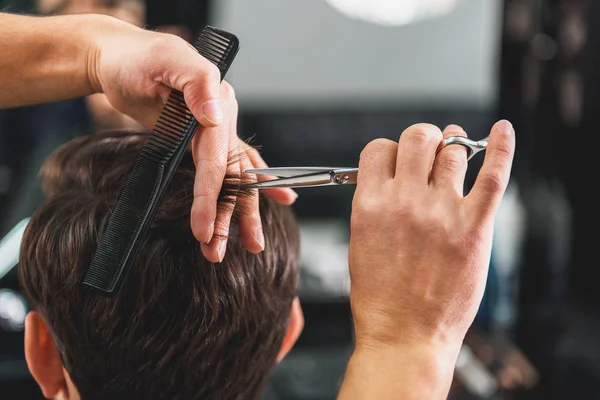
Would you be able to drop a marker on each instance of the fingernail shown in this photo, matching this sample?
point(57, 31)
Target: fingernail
point(205, 250)
point(259, 236)
point(211, 231)
point(221, 248)
point(505, 127)
point(212, 111)
point(294, 193)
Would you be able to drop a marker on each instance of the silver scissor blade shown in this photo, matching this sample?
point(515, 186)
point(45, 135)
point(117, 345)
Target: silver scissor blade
point(288, 172)
point(318, 179)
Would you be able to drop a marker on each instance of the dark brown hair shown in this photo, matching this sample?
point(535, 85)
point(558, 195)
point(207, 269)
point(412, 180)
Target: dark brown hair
point(181, 327)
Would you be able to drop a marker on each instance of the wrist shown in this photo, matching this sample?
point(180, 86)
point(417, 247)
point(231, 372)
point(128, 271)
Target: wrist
point(408, 371)
point(100, 24)
point(104, 29)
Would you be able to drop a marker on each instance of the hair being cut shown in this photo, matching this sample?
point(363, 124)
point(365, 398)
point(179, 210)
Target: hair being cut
point(181, 327)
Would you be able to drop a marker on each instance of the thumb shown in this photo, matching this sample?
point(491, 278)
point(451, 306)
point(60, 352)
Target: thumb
point(182, 68)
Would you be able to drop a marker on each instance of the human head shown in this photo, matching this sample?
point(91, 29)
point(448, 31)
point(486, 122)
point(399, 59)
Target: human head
point(180, 327)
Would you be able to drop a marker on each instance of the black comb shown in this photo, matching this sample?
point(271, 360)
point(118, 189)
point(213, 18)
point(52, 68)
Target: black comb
point(152, 173)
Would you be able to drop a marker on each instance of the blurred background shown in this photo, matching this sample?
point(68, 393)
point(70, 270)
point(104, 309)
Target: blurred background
point(316, 80)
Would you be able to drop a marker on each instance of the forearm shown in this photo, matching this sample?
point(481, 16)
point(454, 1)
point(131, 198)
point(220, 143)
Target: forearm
point(399, 373)
point(46, 58)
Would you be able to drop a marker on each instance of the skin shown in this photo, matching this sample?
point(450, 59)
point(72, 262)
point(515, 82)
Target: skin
point(56, 58)
point(419, 257)
point(419, 248)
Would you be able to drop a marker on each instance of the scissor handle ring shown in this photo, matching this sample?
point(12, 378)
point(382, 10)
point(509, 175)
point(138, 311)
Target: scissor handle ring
point(463, 141)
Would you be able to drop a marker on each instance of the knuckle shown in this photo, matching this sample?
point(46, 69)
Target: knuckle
point(364, 209)
point(228, 97)
point(422, 134)
point(407, 212)
point(376, 147)
point(210, 71)
point(165, 41)
point(493, 182)
point(233, 104)
point(227, 90)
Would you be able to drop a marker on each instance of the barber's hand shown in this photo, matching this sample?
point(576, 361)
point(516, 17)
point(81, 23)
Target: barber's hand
point(419, 249)
point(137, 69)
point(214, 148)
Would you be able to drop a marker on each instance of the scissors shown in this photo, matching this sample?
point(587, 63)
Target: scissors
point(298, 177)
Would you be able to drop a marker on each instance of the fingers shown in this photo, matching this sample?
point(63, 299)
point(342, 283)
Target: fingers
point(215, 249)
point(250, 225)
point(284, 196)
point(450, 164)
point(210, 156)
point(416, 152)
point(377, 164)
point(210, 148)
point(251, 232)
point(179, 66)
point(493, 177)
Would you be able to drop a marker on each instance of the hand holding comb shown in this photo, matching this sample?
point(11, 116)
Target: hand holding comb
point(154, 169)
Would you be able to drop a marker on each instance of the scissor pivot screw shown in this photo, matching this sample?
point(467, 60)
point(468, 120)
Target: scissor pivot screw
point(341, 179)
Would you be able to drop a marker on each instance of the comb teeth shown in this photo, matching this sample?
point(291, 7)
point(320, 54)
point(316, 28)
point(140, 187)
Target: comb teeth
point(121, 236)
point(218, 46)
point(170, 129)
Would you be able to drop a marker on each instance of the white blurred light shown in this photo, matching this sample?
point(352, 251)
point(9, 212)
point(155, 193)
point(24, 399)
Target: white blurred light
point(10, 246)
point(393, 12)
point(324, 253)
point(12, 310)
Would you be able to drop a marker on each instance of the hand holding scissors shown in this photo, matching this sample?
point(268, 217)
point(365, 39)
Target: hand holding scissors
point(418, 256)
point(296, 177)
